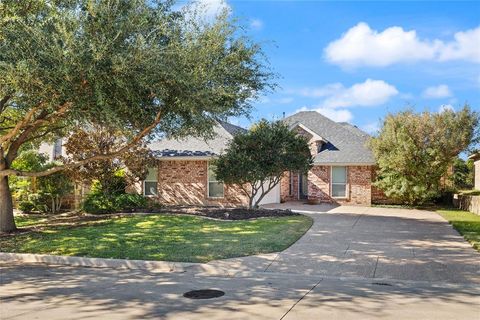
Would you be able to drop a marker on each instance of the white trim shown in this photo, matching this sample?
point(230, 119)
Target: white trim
point(315, 136)
point(208, 185)
point(346, 183)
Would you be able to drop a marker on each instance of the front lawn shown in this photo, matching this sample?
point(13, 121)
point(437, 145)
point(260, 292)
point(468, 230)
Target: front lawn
point(158, 237)
point(466, 223)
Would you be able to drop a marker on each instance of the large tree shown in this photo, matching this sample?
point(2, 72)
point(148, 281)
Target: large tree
point(133, 65)
point(414, 151)
point(257, 159)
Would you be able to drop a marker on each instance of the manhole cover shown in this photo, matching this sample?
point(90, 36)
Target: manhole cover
point(382, 284)
point(203, 294)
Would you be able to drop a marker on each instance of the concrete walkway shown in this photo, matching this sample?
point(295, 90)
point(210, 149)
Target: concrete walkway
point(354, 263)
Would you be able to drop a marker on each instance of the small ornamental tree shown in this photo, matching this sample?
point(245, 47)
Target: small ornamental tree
point(256, 160)
point(415, 151)
point(83, 144)
point(137, 65)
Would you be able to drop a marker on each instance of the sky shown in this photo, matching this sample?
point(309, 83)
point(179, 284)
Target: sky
point(358, 61)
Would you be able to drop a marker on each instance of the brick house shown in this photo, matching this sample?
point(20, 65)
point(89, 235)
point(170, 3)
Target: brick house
point(342, 172)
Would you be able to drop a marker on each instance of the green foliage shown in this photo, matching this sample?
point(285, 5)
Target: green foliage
point(258, 158)
point(52, 188)
point(130, 202)
point(113, 199)
point(462, 176)
point(26, 206)
point(99, 203)
point(122, 62)
point(414, 151)
point(29, 160)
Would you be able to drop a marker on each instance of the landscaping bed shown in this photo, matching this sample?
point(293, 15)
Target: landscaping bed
point(230, 213)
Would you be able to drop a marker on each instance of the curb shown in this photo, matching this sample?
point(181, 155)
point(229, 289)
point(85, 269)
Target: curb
point(159, 266)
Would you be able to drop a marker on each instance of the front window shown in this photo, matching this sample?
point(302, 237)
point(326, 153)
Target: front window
point(339, 182)
point(150, 183)
point(215, 187)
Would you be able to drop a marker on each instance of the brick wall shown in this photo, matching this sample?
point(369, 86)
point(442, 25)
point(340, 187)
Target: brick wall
point(319, 183)
point(185, 183)
point(285, 194)
point(359, 185)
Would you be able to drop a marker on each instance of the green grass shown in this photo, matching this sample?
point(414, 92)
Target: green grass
point(160, 237)
point(466, 223)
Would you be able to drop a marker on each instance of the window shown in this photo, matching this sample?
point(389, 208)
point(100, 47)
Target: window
point(339, 182)
point(215, 187)
point(150, 183)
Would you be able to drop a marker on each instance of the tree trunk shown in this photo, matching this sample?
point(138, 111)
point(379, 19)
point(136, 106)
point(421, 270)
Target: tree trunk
point(7, 223)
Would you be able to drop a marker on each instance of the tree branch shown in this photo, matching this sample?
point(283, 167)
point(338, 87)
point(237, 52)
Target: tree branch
point(133, 142)
point(3, 102)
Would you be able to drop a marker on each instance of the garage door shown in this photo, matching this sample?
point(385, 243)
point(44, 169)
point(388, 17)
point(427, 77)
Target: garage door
point(273, 196)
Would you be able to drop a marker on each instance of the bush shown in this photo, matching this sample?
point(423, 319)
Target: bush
point(26, 206)
point(130, 202)
point(101, 203)
point(98, 203)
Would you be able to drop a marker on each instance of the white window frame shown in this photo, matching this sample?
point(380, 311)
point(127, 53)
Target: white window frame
point(346, 182)
point(144, 188)
point(208, 184)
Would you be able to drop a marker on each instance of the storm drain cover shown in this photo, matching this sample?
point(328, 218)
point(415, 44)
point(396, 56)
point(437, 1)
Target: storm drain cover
point(203, 294)
point(382, 284)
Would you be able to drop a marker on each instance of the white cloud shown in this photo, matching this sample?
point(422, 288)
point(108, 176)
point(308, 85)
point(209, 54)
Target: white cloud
point(256, 24)
point(437, 92)
point(365, 94)
point(368, 93)
point(465, 46)
point(371, 128)
point(206, 9)
point(446, 107)
point(338, 115)
point(363, 46)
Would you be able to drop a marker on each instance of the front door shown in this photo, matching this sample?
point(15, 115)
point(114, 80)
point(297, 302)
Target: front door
point(303, 186)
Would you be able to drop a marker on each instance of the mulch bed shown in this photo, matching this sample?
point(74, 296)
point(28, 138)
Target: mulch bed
point(229, 213)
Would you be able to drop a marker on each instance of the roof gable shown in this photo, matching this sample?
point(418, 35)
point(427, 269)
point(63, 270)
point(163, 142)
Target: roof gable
point(345, 143)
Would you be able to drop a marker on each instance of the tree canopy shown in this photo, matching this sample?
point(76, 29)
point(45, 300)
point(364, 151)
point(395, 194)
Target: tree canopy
point(257, 159)
point(133, 65)
point(414, 152)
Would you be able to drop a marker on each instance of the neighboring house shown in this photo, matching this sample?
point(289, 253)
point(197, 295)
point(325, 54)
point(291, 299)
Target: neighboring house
point(342, 171)
point(476, 168)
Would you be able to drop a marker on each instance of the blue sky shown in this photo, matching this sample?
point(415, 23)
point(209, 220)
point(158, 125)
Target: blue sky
point(356, 61)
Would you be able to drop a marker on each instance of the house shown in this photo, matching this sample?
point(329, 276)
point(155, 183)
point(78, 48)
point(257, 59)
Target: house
point(476, 168)
point(342, 171)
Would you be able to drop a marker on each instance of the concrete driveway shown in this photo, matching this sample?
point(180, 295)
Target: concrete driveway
point(354, 263)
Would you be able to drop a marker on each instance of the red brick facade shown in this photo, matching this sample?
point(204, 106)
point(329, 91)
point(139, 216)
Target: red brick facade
point(185, 183)
point(359, 186)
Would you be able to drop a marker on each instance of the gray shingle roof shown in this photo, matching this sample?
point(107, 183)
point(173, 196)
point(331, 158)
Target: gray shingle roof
point(346, 143)
point(196, 147)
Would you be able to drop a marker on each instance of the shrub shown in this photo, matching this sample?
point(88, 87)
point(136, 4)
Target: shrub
point(130, 202)
point(101, 203)
point(98, 203)
point(26, 206)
